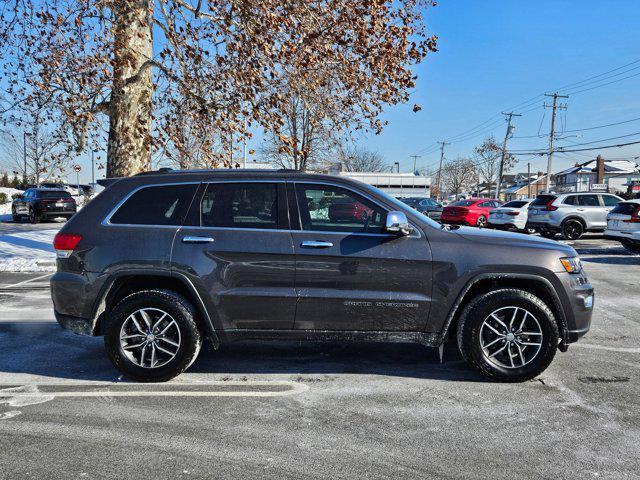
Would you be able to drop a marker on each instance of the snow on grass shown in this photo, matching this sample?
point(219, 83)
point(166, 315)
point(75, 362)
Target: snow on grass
point(28, 251)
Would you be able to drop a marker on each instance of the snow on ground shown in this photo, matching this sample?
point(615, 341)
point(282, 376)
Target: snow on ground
point(5, 208)
point(28, 251)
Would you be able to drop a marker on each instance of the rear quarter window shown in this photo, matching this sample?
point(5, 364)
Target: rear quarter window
point(158, 205)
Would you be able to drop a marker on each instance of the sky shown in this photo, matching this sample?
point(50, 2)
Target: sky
point(496, 54)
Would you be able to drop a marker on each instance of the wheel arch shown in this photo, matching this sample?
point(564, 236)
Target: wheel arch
point(574, 217)
point(535, 284)
point(127, 282)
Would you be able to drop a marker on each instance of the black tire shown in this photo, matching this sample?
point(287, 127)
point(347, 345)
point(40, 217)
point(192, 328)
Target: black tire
point(481, 222)
point(632, 247)
point(480, 308)
point(15, 217)
point(547, 234)
point(33, 217)
point(572, 229)
point(184, 315)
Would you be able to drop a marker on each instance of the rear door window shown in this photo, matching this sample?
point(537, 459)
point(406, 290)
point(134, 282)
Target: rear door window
point(157, 205)
point(240, 205)
point(588, 201)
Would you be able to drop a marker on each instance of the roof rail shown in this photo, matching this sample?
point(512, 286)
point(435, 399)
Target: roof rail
point(155, 172)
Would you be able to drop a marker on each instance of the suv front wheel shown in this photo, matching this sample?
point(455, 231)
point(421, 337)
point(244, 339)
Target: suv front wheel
point(509, 335)
point(152, 336)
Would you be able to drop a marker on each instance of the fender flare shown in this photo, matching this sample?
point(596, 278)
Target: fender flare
point(562, 320)
point(99, 304)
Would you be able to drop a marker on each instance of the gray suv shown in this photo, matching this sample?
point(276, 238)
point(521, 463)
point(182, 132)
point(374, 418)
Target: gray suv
point(571, 214)
point(157, 263)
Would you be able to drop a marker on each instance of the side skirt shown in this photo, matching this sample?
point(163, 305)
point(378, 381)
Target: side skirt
point(422, 338)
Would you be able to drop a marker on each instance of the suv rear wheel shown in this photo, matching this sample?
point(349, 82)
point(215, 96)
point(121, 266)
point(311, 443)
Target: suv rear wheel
point(508, 335)
point(152, 336)
point(572, 229)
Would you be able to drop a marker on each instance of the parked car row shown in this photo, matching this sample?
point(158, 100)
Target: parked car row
point(568, 214)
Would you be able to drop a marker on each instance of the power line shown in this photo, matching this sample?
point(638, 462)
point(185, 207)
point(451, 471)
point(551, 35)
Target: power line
point(575, 84)
point(555, 106)
point(563, 149)
point(604, 84)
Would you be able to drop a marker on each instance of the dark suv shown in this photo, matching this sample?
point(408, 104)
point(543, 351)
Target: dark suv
point(158, 262)
point(40, 204)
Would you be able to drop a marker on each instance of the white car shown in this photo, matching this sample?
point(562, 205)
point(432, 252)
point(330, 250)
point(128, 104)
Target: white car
point(623, 225)
point(511, 215)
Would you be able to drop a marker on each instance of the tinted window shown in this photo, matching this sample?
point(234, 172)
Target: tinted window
point(515, 204)
point(463, 203)
point(162, 205)
point(334, 209)
point(588, 201)
point(570, 200)
point(625, 208)
point(610, 200)
point(53, 194)
point(428, 202)
point(240, 205)
point(543, 199)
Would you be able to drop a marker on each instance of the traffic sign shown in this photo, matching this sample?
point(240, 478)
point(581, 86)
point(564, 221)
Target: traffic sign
point(77, 168)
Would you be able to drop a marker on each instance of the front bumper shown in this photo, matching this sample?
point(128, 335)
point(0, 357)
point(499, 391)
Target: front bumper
point(578, 304)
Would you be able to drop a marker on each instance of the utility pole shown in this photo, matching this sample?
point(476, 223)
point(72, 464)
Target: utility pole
point(509, 116)
point(442, 145)
point(415, 159)
point(554, 106)
point(528, 180)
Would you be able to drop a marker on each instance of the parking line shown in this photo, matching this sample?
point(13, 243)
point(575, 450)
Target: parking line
point(7, 287)
point(31, 390)
point(610, 349)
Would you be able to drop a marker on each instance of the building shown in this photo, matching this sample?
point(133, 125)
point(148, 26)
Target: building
point(613, 176)
point(394, 184)
point(524, 189)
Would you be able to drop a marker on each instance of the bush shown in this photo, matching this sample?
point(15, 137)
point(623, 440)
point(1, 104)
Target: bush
point(15, 195)
point(3, 198)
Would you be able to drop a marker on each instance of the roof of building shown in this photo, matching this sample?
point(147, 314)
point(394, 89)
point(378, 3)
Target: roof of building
point(610, 166)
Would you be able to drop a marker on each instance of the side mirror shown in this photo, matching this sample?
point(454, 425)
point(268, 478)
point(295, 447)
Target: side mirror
point(398, 224)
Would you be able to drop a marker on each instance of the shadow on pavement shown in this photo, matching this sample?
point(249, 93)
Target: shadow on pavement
point(614, 260)
point(43, 349)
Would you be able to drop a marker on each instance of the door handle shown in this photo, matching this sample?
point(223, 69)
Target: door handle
point(197, 240)
point(316, 244)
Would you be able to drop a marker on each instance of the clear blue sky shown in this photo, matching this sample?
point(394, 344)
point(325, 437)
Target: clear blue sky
point(495, 54)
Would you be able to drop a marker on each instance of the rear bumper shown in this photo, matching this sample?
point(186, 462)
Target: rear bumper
point(454, 220)
point(542, 226)
point(630, 236)
point(78, 325)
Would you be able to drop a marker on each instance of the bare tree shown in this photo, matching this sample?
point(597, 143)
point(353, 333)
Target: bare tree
point(459, 175)
point(125, 62)
point(356, 159)
point(487, 160)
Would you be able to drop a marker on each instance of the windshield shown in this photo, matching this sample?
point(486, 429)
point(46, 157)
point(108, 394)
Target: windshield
point(53, 194)
point(515, 204)
point(462, 203)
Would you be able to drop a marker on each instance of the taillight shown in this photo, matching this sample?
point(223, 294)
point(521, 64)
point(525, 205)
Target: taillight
point(549, 207)
point(65, 243)
point(635, 216)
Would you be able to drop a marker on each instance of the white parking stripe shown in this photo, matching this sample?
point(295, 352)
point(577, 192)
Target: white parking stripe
point(31, 391)
point(25, 281)
point(602, 347)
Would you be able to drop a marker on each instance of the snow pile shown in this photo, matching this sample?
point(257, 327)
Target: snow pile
point(5, 208)
point(28, 251)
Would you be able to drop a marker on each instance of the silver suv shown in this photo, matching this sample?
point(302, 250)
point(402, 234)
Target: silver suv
point(571, 214)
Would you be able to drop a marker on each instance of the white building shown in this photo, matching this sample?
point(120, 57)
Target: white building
point(616, 174)
point(394, 184)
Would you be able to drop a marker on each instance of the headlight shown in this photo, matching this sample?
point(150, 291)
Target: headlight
point(571, 264)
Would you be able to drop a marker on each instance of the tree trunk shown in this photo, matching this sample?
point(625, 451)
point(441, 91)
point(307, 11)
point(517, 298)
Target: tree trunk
point(130, 105)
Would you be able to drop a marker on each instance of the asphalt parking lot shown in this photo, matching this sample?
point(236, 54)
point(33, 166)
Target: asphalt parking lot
point(322, 410)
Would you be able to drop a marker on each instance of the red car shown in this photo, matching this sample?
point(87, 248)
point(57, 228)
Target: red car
point(472, 211)
point(349, 210)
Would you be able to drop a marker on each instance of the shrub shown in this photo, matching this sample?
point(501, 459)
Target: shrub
point(15, 195)
point(3, 198)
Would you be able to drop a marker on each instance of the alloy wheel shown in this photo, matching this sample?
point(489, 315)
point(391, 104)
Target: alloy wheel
point(150, 338)
point(572, 230)
point(481, 222)
point(510, 337)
